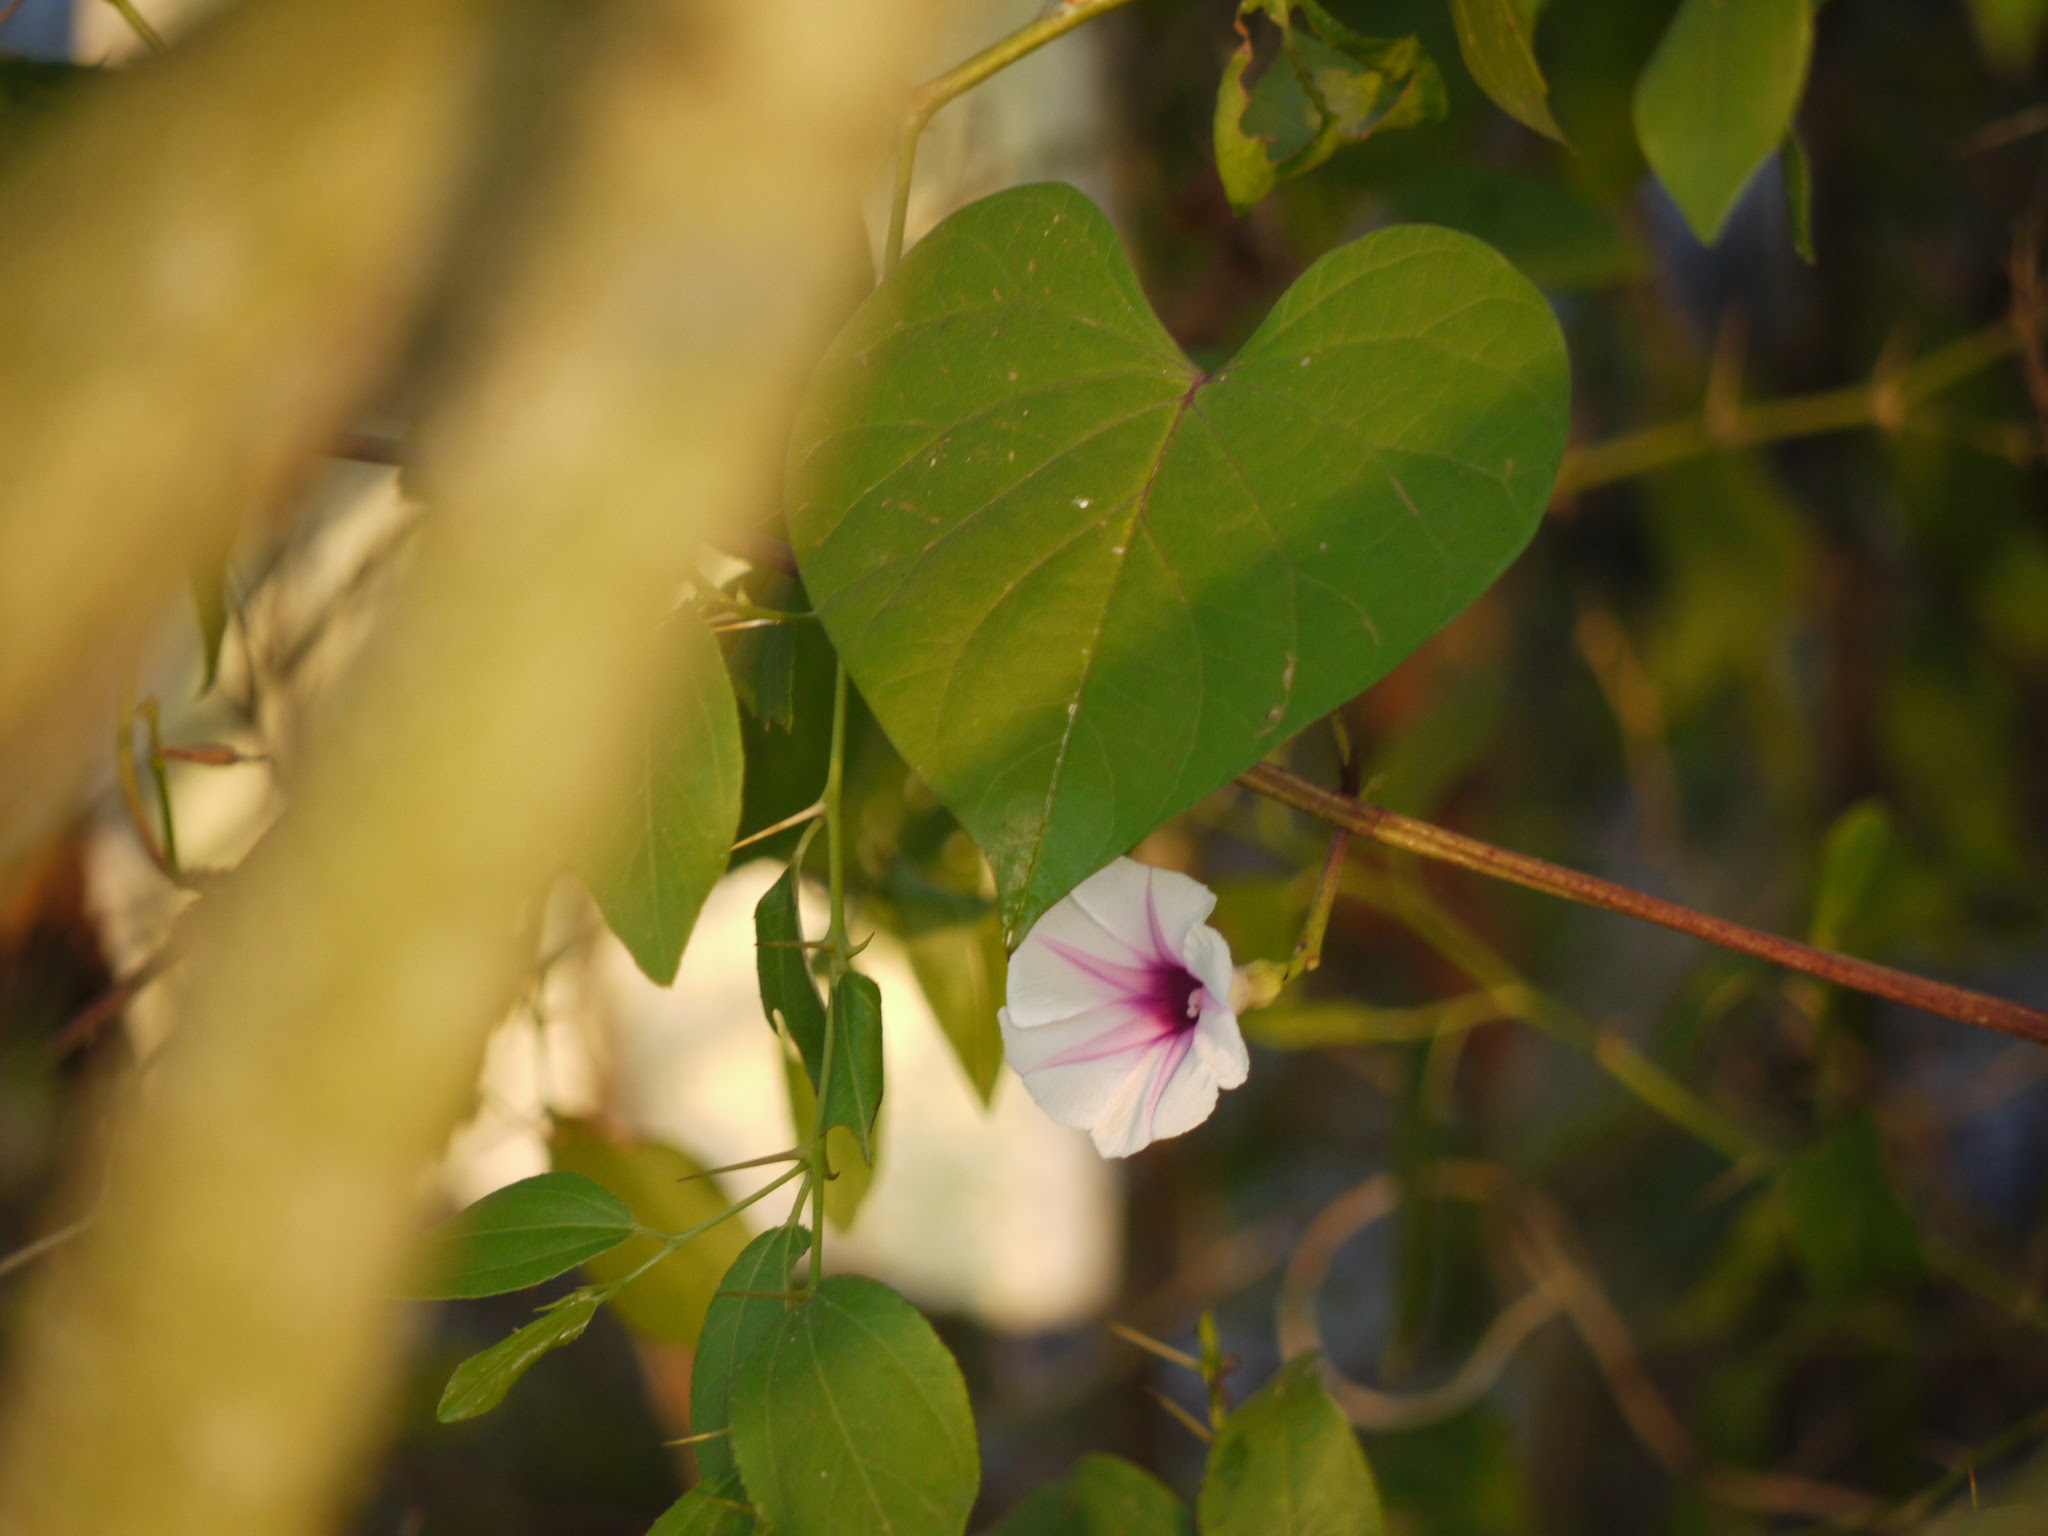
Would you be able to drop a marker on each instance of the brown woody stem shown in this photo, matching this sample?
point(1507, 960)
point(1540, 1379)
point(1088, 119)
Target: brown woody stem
point(1431, 842)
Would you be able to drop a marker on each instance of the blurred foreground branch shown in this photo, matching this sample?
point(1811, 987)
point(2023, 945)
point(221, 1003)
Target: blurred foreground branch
point(213, 1355)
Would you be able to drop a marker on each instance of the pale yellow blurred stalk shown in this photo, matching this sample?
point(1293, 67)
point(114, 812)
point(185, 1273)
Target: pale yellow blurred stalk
point(215, 1356)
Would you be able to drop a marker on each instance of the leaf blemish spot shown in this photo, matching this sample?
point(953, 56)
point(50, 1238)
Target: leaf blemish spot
point(1081, 502)
point(1013, 375)
point(1306, 361)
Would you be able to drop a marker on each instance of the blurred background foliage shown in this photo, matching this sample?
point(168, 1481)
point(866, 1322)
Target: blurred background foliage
point(1795, 1243)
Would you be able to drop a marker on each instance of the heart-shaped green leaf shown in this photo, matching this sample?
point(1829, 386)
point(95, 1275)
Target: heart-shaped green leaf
point(851, 1419)
point(742, 1314)
point(523, 1234)
point(1083, 584)
point(1288, 1464)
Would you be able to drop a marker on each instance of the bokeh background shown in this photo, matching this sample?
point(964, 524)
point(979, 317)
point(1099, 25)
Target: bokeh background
point(1795, 1239)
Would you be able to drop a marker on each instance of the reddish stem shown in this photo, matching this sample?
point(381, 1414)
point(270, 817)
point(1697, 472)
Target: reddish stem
point(1430, 842)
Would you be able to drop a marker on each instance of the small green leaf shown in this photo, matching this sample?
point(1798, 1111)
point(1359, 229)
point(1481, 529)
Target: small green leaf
point(480, 1383)
point(1848, 1230)
point(787, 991)
point(1718, 97)
point(854, 1095)
point(2010, 31)
point(1493, 35)
point(663, 1189)
point(1103, 1496)
point(733, 1326)
point(1288, 1464)
point(1082, 583)
point(715, 1507)
point(851, 1419)
point(1849, 865)
point(1798, 193)
point(676, 830)
point(523, 1234)
point(962, 969)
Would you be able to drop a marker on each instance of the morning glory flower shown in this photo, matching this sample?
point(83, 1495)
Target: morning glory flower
point(1120, 1016)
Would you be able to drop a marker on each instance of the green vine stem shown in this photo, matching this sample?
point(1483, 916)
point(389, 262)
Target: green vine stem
point(924, 106)
point(1431, 842)
point(139, 25)
point(1886, 401)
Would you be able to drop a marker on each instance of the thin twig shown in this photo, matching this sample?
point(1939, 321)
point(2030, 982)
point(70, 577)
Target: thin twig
point(1884, 401)
point(139, 24)
point(964, 78)
point(1432, 842)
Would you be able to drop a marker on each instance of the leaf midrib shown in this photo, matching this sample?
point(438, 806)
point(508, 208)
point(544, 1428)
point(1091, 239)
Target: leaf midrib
point(1123, 560)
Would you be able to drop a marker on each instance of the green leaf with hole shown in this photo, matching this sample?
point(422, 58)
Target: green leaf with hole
point(783, 967)
point(1103, 1496)
point(1718, 97)
point(854, 1096)
point(676, 830)
point(523, 1234)
point(1493, 35)
point(851, 1419)
point(1325, 87)
point(733, 1326)
point(1287, 1463)
point(665, 1190)
point(715, 1507)
point(480, 1383)
point(1083, 584)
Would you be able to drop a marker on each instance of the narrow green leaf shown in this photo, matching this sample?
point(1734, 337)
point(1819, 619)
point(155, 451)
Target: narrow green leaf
point(480, 1383)
point(851, 1419)
point(1083, 584)
point(523, 1234)
point(210, 608)
point(660, 1185)
point(787, 991)
point(1849, 865)
point(715, 1507)
point(1287, 1463)
point(962, 969)
point(677, 827)
point(733, 1326)
point(852, 1173)
point(1798, 193)
point(854, 1095)
point(1103, 1496)
point(1718, 97)
point(1493, 35)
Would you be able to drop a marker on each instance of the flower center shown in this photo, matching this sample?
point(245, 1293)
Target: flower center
point(1177, 995)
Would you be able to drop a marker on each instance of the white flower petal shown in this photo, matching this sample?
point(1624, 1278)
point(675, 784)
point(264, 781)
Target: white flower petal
point(1151, 910)
point(1189, 1098)
point(1207, 958)
point(1220, 1045)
